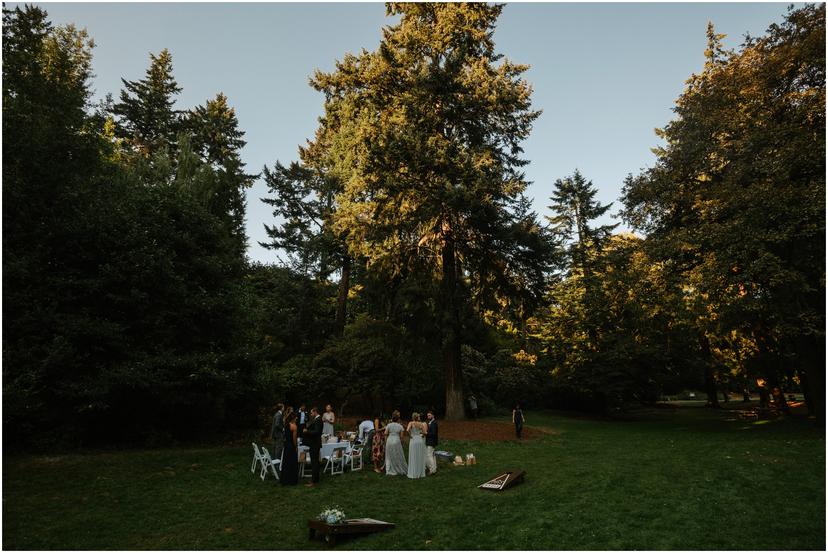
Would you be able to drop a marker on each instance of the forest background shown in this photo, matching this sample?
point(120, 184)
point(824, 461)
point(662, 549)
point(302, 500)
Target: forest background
point(417, 271)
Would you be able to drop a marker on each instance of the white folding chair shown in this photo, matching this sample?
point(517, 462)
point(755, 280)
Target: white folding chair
point(334, 456)
point(257, 458)
point(270, 463)
point(306, 463)
point(356, 457)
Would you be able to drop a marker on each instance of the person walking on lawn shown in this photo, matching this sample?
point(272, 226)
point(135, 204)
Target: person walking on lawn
point(312, 437)
point(518, 420)
point(473, 406)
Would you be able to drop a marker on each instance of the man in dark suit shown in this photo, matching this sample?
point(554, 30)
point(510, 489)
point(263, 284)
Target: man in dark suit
point(431, 442)
point(312, 437)
point(277, 431)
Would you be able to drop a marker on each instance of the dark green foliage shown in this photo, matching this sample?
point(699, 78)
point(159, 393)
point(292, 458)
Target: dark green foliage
point(304, 202)
point(367, 361)
point(217, 139)
point(124, 316)
point(736, 200)
point(574, 206)
point(627, 338)
point(146, 117)
point(424, 135)
point(291, 313)
point(615, 327)
point(45, 89)
point(503, 377)
point(131, 314)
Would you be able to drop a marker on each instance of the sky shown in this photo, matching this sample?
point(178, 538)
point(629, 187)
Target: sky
point(604, 74)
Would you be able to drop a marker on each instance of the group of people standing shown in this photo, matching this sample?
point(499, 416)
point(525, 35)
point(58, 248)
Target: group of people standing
point(288, 428)
point(387, 453)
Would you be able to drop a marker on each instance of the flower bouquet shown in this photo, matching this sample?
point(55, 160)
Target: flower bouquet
point(332, 515)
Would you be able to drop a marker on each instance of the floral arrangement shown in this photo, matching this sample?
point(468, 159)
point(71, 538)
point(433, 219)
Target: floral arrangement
point(332, 515)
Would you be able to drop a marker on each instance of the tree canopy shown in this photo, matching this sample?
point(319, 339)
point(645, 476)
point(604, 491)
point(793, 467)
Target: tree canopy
point(416, 269)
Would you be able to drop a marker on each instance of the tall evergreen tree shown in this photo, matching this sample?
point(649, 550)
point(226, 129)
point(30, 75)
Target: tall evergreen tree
point(50, 159)
point(304, 202)
point(146, 118)
point(216, 136)
point(425, 134)
point(575, 206)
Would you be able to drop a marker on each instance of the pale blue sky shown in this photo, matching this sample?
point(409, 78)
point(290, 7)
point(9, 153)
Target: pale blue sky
point(605, 75)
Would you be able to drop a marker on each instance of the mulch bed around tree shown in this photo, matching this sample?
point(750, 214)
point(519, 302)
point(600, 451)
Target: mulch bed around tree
point(482, 431)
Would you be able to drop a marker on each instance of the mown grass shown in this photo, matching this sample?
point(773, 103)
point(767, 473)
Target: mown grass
point(684, 479)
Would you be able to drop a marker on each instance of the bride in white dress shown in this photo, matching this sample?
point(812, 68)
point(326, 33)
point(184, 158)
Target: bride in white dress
point(416, 447)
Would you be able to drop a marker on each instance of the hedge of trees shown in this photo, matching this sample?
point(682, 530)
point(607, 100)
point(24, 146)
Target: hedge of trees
point(417, 271)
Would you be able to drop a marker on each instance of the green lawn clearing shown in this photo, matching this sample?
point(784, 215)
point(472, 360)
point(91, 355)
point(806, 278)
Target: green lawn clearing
point(689, 478)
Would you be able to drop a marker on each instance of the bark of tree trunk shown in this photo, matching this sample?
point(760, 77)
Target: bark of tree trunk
point(811, 357)
point(709, 379)
point(451, 334)
point(777, 393)
point(524, 332)
point(342, 301)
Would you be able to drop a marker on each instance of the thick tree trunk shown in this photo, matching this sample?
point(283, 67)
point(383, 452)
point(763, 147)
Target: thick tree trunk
point(709, 378)
point(777, 393)
point(524, 332)
point(710, 387)
point(811, 360)
point(771, 361)
point(342, 301)
point(451, 334)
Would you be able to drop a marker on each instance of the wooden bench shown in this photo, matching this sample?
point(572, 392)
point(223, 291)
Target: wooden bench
point(351, 526)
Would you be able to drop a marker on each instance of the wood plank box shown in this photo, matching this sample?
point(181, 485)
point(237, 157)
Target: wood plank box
point(351, 526)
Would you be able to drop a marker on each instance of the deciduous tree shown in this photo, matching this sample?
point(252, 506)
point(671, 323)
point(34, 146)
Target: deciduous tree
point(736, 199)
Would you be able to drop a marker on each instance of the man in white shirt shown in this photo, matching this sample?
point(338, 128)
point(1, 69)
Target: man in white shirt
point(431, 442)
point(364, 427)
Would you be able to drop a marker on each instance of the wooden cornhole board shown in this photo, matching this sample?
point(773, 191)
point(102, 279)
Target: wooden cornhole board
point(349, 527)
point(503, 480)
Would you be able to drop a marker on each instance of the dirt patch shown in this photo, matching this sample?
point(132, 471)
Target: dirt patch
point(482, 431)
point(486, 431)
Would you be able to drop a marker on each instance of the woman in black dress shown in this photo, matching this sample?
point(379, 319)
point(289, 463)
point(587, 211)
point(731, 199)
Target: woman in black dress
point(290, 462)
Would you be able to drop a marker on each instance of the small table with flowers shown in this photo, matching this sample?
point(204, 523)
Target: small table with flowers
point(348, 526)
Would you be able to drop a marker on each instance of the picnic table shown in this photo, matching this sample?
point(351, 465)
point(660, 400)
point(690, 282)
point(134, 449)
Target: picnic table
point(351, 526)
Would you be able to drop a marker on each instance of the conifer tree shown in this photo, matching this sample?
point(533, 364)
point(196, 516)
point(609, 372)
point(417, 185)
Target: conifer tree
point(304, 201)
point(146, 118)
point(575, 206)
point(216, 137)
point(425, 135)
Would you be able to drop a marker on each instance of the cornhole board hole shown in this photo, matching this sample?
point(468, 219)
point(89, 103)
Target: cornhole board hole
point(503, 480)
point(350, 526)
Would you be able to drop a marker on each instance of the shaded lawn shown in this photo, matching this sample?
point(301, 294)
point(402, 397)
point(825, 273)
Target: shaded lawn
point(684, 479)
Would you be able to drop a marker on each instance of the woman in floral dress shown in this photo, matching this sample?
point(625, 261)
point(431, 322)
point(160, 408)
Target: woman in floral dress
point(378, 446)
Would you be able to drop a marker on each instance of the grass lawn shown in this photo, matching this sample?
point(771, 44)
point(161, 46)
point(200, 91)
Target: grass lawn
point(689, 478)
